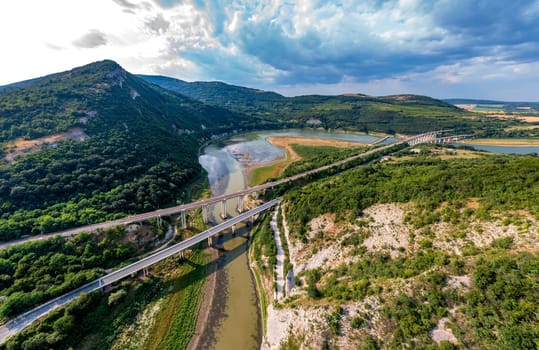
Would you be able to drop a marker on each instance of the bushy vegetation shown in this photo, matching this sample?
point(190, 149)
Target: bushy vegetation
point(413, 288)
point(501, 310)
point(90, 314)
point(501, 182)
point(316, 156)
point(94, 322)
point(264, 248)
point(34, 272)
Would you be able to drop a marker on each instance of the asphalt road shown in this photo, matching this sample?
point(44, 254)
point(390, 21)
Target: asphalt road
point(17, 324)
point(20, 322)
point(194, 205)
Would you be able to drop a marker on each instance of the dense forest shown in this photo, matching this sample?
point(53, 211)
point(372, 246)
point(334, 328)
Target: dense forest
point(137, 143)
point(139, 148)
point(502, 183)
point(34, 272)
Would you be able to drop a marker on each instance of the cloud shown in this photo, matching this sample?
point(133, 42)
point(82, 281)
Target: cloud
point(92, 39)
point(283, 44)
point(318, 41)
point(158, 24)
point(53, 47)
point(127, 6)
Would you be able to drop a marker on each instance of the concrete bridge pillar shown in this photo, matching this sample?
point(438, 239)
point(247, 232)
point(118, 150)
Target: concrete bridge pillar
point(223, 209)
point(159, 221)
point(210, 241)
point(205, 214)
point(240, 204)
point(184, 220)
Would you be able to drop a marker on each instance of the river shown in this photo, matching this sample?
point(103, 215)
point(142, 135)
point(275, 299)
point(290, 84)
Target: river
point(235, 304)
point(235, 316)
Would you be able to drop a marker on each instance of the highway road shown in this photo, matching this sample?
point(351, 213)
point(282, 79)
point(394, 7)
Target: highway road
point(15, 325)
point(20, 322)
point(201, 203)
point(190, 206)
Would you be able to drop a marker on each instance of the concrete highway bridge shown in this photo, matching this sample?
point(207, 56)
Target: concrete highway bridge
point(205, 204)
point(18, 323)
point(439, 137)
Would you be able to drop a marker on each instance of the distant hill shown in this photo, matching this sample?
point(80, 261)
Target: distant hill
point(86, 144)
point(215, 92)
point(391, 114)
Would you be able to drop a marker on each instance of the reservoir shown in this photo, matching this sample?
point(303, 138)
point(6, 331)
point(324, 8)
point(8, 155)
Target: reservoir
point(504, 149)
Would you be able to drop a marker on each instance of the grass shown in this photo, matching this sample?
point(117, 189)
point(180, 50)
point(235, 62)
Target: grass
point(178, 313)
point(256, 268)
point(262, 297)
point(313, 151)
point(260, 175)
point(309, 150)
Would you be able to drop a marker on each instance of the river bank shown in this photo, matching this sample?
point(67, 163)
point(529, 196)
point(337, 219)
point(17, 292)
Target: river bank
point(503, 142)
point(256, 173)
point(229, 316)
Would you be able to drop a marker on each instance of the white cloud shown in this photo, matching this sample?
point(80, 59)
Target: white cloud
point(350, 45)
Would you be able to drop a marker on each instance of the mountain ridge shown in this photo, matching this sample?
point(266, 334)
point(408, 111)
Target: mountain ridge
point(405, 113)
point(139, 147)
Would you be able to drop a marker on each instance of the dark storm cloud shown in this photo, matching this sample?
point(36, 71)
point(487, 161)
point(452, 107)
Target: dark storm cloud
point(376, 39)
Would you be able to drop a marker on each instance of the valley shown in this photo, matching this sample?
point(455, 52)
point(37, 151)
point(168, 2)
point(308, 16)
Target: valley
point(375, 252)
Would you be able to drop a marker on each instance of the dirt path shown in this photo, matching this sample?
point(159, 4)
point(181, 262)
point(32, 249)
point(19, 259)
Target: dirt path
point(279, 265)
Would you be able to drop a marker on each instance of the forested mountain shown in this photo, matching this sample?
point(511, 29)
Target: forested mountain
point(390, 114)
point(96, 142)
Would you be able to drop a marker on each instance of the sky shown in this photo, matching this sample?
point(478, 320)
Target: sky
point(441, 48)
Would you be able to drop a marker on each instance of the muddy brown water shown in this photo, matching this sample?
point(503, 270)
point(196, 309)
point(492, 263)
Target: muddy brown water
point(234, 321)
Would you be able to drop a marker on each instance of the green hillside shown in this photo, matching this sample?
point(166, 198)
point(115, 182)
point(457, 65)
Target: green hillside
point(407, 114)
point(135, 146)
point(420, 252)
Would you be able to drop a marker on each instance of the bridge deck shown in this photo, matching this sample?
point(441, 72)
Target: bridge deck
point(18, 323)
